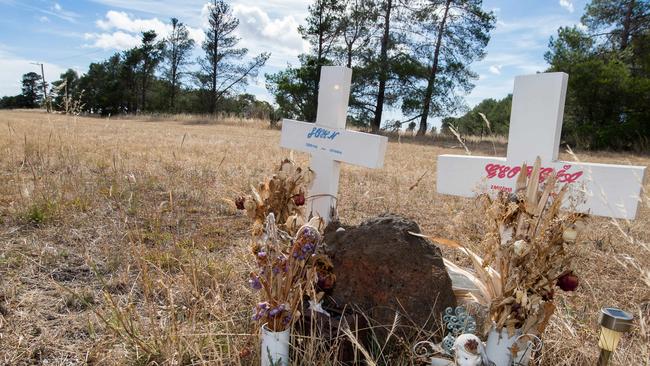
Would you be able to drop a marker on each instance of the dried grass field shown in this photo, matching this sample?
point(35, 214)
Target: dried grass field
point(120, 243)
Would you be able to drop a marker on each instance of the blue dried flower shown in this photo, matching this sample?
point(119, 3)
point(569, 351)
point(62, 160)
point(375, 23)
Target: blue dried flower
point(305, 243)
point(286, 319)
point(260, 310)
point(276, 310)
point(255, 283)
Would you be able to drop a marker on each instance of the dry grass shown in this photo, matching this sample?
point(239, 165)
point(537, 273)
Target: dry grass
point(119, 243)
point(194, 119)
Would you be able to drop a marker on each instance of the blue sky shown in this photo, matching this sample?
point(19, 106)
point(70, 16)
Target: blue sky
point(70, 34)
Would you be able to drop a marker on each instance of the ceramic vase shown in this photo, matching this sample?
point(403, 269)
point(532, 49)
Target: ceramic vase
point(499, 348)
point(275, 347)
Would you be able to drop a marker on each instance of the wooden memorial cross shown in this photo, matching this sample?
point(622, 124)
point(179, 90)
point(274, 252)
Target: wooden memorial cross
point(329, 143)
point(535, 126)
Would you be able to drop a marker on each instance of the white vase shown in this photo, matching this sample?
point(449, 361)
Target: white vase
point(439, 361)
point(499, 345)
point(275, 347)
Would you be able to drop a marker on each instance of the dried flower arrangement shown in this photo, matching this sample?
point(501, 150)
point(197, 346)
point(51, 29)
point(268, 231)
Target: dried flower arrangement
point(284, 246)
point(283, 195)
point(526, 254)
point(286, 272)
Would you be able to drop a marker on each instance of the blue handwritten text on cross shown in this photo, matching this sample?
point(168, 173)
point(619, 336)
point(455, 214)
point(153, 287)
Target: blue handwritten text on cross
point(321, 133)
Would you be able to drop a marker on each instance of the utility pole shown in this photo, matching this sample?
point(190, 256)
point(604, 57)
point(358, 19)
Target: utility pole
point(47, 105)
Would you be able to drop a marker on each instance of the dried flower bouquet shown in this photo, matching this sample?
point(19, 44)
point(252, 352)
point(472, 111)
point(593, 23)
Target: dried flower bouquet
point(283, 195)
point(526, 254)
point(285, 272)
point(284, 246)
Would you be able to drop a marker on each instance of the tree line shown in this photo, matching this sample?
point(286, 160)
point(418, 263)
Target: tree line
point(410, 55)
point(608, 96)
point(156, 76)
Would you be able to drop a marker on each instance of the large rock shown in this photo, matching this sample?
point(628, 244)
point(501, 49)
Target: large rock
point(381, 269)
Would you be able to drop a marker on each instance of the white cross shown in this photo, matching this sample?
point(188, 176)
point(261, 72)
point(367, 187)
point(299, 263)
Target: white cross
point(535, 126)
point(329, 142)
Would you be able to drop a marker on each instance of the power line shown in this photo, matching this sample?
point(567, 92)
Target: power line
point(78, 55)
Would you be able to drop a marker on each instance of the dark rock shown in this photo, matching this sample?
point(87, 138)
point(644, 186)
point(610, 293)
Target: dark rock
point(381, 269)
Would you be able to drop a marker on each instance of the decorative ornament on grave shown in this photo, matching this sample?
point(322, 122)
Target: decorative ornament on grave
point(469, 351)
point(525, 259)
point(329, 143)
point(535, 127)
point(460, 343)
point(457, 322)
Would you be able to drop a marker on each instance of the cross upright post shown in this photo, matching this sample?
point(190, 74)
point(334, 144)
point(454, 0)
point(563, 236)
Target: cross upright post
point(329, 143)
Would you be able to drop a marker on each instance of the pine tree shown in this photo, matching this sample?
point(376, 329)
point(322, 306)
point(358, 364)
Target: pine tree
point(178, 47)
point(293, 89)
point(150, 54)
point(219, 73)
point(128, 76)
point(618, 20)
point(356, 29)
point(451, 35)
point(32, 95)
point(387, 10)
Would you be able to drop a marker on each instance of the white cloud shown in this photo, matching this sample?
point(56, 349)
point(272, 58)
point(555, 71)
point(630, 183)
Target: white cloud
point(538, 27)
point(189, 11)
point(259, 32)
point(43, 19)
point(567, 4)
point(254, 23)
point(122, 31)
point(269, 26)
point(496, 89)
point(13, 67)
point(495, 69)
point(122, 21)
point(518, 62)
point(58, 11)
point(116, 40)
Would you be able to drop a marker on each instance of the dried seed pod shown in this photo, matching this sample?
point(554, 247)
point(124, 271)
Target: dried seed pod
point(520, 247)
point(569, 235)
point(239, 202)
point(299, 199)
point(568, 282)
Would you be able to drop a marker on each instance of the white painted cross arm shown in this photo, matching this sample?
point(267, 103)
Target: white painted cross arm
point(341, 145)
point(329, 143)
point(535, 126)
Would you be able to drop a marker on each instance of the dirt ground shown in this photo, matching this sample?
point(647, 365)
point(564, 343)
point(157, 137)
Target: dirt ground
point(120, 243)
